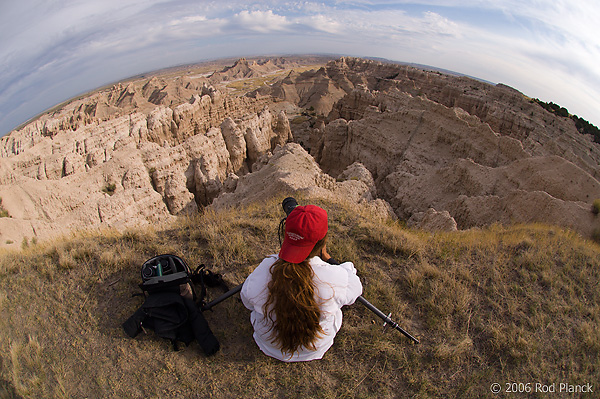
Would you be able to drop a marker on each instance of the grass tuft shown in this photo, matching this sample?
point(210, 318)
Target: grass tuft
point(596, 206)
point(109, 189)
point(3, 212)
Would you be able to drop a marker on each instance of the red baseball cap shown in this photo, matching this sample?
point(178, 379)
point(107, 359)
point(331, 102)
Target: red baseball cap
point(304, 226)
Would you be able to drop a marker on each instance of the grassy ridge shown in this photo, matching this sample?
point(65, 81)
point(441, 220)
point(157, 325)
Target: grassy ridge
point(517, 304)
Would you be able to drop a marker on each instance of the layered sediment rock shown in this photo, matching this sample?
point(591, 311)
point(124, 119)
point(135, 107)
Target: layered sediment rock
point(134, 169)
point(432, 220)
point(424, 154)
point(414, 136)
point(291, 170)
point(330, 91)
point(440, 151)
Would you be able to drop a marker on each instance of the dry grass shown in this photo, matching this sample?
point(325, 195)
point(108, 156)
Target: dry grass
point(517, 304)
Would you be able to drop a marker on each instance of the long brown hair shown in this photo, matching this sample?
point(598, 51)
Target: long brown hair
point(292, 294)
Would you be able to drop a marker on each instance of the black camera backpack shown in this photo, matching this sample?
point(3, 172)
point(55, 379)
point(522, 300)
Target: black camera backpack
point(165, 311)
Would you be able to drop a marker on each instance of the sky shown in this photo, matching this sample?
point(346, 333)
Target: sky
point(53, 50)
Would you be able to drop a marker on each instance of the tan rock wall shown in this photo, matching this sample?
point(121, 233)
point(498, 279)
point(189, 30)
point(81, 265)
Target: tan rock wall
point(387, 138)
point(134, 169)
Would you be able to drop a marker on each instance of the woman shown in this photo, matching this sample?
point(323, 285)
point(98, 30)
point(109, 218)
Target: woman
point(296, 297)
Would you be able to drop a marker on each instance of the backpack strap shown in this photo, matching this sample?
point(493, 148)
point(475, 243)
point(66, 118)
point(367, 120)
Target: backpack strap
point(198, 278)
point(206, 277)
point(210, 278)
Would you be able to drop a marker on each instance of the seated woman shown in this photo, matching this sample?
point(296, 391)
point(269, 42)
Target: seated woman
point(296, 297)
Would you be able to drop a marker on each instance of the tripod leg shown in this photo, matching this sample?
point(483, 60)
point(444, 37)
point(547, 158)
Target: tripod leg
point(385, 318)
point(220, 299)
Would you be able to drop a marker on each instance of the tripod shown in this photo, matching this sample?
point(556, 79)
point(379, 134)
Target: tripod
point(387, 320)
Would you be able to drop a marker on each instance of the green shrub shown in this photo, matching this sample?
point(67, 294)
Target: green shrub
point(3, 212)
point(596, 207)
point(110, 188)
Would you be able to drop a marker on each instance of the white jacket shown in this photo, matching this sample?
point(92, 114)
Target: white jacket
point(335, 286)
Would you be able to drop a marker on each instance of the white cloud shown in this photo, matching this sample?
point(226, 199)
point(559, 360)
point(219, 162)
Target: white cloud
point(440, 25)
point(322, 23)
point(260, 21)
point(187, 20)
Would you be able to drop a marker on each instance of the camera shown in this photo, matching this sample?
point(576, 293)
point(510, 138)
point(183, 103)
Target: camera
point(289, 204)
point(156, 268)
point(149, 271)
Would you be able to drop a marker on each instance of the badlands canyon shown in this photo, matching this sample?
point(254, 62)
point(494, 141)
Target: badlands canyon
point(439, 151)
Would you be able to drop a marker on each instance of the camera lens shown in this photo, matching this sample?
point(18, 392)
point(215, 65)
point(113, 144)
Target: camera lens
point(148, 271)
point(289, 204)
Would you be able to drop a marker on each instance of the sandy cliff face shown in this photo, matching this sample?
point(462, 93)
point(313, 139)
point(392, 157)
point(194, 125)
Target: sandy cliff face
point(480, 152)
point(441, 151)
point(330, 91)
point(141, 165)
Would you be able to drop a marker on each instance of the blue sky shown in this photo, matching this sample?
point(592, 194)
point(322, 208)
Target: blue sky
point(52, 50)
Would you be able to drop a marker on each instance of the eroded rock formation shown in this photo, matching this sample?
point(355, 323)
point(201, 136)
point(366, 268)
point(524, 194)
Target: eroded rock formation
point(480, 152)
point(291, 170)
point(139, 168)
point(440, 151)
